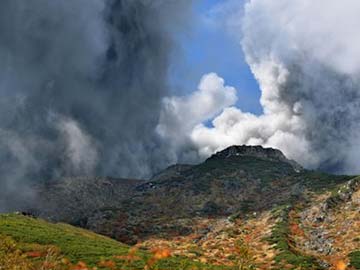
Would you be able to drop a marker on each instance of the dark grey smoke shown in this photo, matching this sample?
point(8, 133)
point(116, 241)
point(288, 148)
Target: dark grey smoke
point(81, 84)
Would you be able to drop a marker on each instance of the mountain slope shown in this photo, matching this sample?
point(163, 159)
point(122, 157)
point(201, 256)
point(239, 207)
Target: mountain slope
point(238, 180)
point(73, 199)
point(243, 200)
point(320, 231)
point(31, 243)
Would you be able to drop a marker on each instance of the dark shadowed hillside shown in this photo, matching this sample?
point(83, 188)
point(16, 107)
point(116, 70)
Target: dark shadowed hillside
point(74, 199)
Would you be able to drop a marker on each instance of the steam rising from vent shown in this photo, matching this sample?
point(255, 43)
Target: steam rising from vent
point(305, 55)
point(180, 115)
point(81, 85)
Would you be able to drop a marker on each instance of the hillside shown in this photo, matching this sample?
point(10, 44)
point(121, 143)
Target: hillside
point(30, 243)
point(73, 199)
point(244, 200)
point(228, 183)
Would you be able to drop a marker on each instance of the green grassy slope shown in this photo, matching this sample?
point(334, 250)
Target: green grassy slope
point(355, 259)
point(77, 244)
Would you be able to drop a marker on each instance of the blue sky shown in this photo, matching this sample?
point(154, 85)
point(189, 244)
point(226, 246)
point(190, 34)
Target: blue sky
point(205, 49)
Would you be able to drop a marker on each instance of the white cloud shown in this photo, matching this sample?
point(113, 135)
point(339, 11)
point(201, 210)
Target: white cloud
point(234, 127)
point(181, 114)
point(304, 54)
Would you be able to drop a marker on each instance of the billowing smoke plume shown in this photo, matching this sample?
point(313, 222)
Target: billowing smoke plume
point(81, 87)
point(305, 55)
point(180, 115)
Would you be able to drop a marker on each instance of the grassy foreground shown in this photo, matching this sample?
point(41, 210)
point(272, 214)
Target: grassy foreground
point(355, 259)
point(28, 243)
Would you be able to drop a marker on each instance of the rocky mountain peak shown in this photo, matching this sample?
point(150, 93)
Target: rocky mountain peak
point(256, 151)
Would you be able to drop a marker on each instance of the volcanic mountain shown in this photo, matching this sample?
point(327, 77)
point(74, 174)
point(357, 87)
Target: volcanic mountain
point(287, 216)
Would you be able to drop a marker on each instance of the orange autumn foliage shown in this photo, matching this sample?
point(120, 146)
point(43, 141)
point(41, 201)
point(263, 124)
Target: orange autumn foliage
point(80, 266)
point(34, 254)
point(108, 264)
point(161, 253)
point(158, 254)
point(296, 230)
point(340, 265)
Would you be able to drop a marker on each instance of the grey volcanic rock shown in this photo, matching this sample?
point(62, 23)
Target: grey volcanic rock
point(258, 152)
point(342, 195)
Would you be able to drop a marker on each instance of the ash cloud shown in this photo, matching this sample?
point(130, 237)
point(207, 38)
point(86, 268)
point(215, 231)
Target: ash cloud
point(305, 55)
point(81, 88)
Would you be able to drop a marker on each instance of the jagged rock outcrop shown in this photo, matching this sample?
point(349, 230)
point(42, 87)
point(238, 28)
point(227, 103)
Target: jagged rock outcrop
point(256, 151)
point(343, 194)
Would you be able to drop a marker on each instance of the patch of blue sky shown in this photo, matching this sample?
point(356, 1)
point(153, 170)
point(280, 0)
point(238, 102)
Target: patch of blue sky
point(206, 47)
